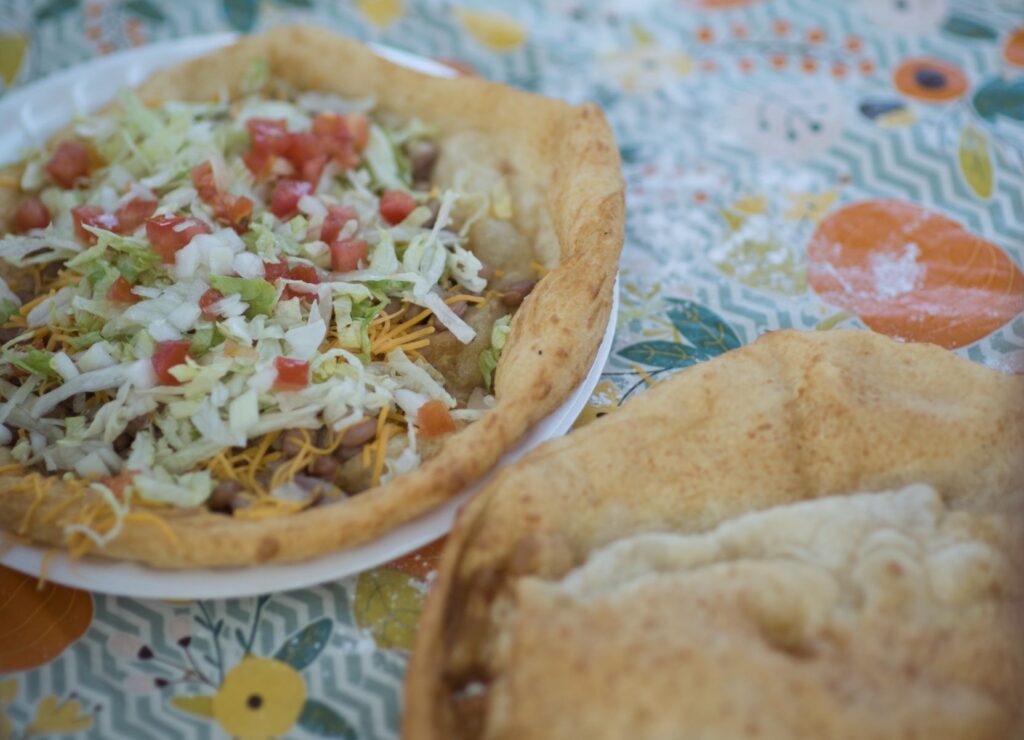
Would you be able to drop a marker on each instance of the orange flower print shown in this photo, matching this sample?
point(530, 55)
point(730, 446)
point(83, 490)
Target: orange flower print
point(1013, 49)
point(37, 624)
point(912, 273)
point(930, 80)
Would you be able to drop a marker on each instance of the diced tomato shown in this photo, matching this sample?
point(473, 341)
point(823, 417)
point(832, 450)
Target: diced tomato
point(94, 216)
point(292, 375)
point(267, 135)
point(305, 273)
point(274, 270)
point(260, 164)
point(132, 214)
point(120, 291)
point(70, 162)
point(204, 182)
point(167, 355)
point(308, 154)
point(117, 483)
point(303, 145)
point(335, 138)
point(341, 136)
point(396, 205)
point(235, 211)
point(31, 214)
point(207, 301)
point(238, 213)
point(329, 124)
point(334, 222)
point(359, 127)
point(346, 254)
point(312, 169)
point(434, 420)
point(284, 201)
point(168, 234)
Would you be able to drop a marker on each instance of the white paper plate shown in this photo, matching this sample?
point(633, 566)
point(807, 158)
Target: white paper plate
point(34, 112)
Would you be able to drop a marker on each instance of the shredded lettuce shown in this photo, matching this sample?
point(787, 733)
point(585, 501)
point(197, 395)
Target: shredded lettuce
point(257, 292)
point(35, 361)
point(490, 356)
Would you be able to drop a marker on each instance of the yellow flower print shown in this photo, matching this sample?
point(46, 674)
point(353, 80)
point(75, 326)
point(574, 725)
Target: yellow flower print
point(604, 400)
point(494, 30)
point(381, 13)
point(259, 698)
point(812, 206)
point(645, 68)
point(8, 692)
point(12, 53)
point(54, 718)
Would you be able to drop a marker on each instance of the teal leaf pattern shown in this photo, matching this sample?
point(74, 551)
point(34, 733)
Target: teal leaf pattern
point(660, 353)
point(968, 28)
point(320, 719)
point(999, 97)
point(302, 4)
point(242, 14)
point(144, 9)
point(302, 648)
point(56, 8)
point(702, 327)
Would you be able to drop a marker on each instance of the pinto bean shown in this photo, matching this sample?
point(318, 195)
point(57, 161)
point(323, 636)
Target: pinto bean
point(359, 433)
point(344, 454)
point(223, 497)
point(324, 467)
point(291, 441)
point(487, 272)
point(516, 293)
point(422, 158)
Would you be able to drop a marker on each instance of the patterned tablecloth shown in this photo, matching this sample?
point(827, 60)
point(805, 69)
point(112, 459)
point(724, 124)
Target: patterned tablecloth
point(790, 163)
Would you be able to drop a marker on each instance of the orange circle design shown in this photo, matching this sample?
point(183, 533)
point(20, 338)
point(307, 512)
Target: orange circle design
point(931, 80)
point(913, 274)
point(1013, 49)
point(36, 625)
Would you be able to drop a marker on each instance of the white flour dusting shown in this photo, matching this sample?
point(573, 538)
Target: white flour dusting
point(896, 274)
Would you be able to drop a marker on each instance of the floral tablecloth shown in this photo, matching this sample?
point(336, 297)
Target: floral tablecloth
point(790, 163)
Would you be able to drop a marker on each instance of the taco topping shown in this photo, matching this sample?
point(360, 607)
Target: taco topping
point(226, 303)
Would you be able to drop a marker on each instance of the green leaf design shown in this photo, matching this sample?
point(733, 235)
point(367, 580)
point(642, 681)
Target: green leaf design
point(144, 9)
point(999, 97)
point(967, 28)
point(388, 604)
point(199, 706)
point(242, 14)
point(320, 719)
point(663, 354)
point(301, 649)
point(703, 328)
point(56, 8)
point(975, 161)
